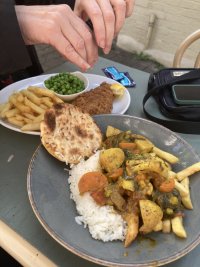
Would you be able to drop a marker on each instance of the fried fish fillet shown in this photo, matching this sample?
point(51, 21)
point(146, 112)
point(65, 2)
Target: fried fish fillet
point(96, 101)
point(68, 134)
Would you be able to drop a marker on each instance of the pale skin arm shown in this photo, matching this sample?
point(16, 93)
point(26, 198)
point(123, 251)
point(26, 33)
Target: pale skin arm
point(58, 26)
point(107, 17)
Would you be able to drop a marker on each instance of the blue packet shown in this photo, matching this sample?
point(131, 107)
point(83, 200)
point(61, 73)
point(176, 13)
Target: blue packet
point(112, 73)
point(127, 81)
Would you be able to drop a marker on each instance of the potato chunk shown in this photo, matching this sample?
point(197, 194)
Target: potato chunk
point(151, 215)
point(111, 159)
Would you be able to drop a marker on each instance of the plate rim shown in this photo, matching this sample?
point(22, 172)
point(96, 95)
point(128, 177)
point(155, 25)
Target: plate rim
point(42, 78)
point(93, 259)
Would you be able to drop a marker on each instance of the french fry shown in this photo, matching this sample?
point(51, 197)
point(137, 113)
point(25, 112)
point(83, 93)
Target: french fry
point(19, 105)
point(45, 92)
point(35, 126)
point(177, 227)
point(34, 107)
point(166, 226)
point(41, 91)
point(39, 118)
point(5, 108)
point(19, 117)
point(32, 97)
point(188, 171)
point(11, 112)
point(43, 106)
point(27, 107)
point(47, 101)
point(182, 190)
point(27, 120)
point(14, 121)
point(187, 202)
point(165, 155)
point(20, 97)
point(29, 116)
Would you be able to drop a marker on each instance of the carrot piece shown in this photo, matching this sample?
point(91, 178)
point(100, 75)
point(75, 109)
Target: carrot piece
point(115, 174)
point(126, 145)
point(92, 181)
point(99, 197)
point(141, 176)
point(167, 185)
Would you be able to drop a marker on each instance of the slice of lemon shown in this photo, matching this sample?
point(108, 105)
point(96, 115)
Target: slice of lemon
point(117, 89)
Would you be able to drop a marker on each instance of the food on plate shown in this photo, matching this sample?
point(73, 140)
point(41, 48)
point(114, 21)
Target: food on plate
point(25, 109)
point(103, 222)
point(69, 134)
point(128, 188)
point(117, 89)
point(96, 101)
point(65, 83)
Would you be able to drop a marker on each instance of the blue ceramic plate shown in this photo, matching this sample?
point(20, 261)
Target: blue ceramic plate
point(49, 196)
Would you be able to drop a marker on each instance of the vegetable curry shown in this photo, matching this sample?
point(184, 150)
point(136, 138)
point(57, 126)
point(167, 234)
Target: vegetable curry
point(138, 181)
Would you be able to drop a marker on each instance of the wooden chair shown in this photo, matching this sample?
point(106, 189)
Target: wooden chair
point(182, 48)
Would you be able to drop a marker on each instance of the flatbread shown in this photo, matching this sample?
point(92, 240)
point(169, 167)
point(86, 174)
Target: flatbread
point(68, 134)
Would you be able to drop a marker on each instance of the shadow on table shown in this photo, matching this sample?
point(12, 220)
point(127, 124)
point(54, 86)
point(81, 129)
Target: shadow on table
point(7, 260)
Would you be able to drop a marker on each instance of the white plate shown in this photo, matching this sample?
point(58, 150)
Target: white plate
point(120, 105)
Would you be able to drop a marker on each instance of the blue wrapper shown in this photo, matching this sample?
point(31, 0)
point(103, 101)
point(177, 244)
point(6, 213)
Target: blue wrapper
point(127, 81)
point(113, 73)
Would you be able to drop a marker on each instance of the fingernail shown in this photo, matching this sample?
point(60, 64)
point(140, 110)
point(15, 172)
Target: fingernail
point(102, 44)
point(106, 51)
point(86, 67)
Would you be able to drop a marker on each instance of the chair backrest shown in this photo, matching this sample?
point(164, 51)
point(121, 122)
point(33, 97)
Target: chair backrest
point(183, 46)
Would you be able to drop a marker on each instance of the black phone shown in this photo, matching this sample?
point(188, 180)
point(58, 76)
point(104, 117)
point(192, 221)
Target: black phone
point(186, 94)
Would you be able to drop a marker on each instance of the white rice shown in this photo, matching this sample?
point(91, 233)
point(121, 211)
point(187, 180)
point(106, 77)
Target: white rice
point(103, 222)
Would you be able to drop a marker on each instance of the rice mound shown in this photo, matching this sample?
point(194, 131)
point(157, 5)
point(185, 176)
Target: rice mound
point(103, 222)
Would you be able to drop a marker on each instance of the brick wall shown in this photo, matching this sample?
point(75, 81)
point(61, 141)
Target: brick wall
point(175, 20)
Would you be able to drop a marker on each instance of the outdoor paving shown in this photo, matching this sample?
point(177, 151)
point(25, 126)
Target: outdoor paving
point(132, 60)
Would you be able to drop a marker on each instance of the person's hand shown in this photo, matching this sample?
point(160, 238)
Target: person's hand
point(107, 17)
point(57, 25)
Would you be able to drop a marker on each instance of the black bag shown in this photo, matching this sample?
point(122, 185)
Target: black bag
point(182, 118)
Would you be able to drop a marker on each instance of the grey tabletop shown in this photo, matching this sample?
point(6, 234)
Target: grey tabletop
point(15, 208)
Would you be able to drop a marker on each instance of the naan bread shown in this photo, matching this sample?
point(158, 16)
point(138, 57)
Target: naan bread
point(68, 134)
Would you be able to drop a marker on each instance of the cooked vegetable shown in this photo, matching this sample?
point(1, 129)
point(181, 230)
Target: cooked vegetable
point(110, 131)
point(182, 190)
point(151, 215)
point(145, 146)
point(158, 226)
point(141, 185)
point(127, 184)
point(177, 227)
point(92, 181)
point(116, 174)
point(166, 226)
point(64, 83)
point(165, 155)
point(127, 145)
point(132, 228)
point(111, 159)
point(186, 200)
point(188, 171)
point(152, 165)
point(167, 185)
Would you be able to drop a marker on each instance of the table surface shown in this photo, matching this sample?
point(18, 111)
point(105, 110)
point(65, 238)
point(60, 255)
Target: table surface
point(15, 208)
